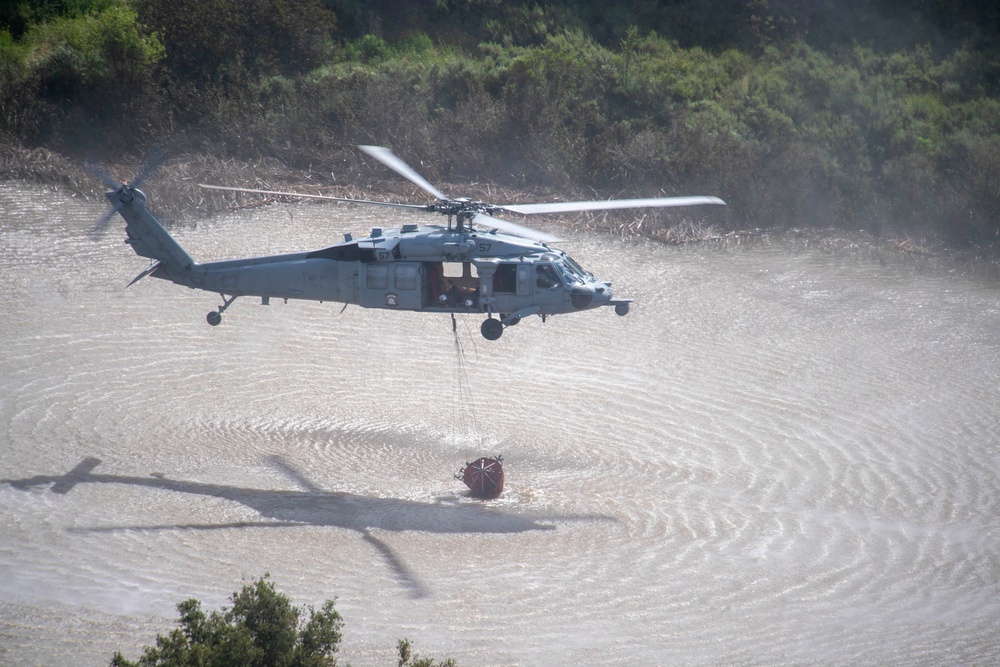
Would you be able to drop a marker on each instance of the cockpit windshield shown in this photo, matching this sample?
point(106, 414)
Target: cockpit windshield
point(573, 269)
point(569, 276)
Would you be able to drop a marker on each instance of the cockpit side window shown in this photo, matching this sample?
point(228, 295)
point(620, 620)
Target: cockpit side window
point(546, 276)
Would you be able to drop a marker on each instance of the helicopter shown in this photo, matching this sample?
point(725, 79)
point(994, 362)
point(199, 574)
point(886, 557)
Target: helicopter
point(476, 263)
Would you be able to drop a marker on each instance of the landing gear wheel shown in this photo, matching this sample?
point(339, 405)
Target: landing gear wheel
point(491, 329)
point(621, 309)
point(215, 316)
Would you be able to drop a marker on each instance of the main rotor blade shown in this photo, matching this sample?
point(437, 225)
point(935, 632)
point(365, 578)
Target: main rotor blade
point(300, 194)
point(512, 228)
point(391, 160)
point(600, 205)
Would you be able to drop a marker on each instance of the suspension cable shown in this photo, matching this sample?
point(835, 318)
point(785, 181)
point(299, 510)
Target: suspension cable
point(463, 411)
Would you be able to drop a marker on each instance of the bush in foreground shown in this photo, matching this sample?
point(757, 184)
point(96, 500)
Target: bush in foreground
point(261, 628)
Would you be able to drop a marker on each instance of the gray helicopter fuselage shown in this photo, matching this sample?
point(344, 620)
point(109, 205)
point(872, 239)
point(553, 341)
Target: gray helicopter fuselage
point(508, 271)
point(422, 268)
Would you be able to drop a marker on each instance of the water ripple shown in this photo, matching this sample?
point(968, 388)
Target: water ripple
point(777, 458)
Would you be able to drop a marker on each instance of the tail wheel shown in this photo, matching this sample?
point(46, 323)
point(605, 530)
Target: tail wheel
point(215, 316)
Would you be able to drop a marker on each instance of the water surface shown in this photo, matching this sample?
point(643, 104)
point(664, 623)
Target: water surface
point(779, 457)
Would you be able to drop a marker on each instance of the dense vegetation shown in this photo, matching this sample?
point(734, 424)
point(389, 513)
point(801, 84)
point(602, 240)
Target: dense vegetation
point(262, 628)
point(877, 114)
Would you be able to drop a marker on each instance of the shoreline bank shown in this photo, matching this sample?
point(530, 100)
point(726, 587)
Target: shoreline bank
point(177, 197)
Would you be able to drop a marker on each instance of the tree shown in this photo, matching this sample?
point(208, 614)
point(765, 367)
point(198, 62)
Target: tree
point(262, 628)
point(233, 41)
point(409, 659)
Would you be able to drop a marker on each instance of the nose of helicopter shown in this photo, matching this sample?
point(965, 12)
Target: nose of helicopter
point(591, 295)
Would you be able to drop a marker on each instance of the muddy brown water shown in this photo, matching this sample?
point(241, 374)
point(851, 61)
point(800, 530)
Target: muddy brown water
point(779, 457)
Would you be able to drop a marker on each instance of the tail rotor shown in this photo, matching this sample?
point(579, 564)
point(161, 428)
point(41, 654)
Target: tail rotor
point(123, 190)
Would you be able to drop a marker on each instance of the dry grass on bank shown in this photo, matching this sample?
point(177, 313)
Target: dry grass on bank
point(176, 196)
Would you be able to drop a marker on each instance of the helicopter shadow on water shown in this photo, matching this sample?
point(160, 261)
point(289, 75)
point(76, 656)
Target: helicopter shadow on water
point(313, 506)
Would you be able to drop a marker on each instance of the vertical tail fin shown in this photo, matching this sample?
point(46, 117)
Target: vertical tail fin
point(146, 235)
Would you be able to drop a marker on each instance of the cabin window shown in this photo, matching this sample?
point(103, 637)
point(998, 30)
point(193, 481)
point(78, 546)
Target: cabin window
point(406, 277)
point(377, 276)
point(505, 279)
point(460, 270)
point(460, 282)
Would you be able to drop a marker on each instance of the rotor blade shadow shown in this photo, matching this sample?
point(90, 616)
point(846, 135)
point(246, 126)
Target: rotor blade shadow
point(184, 526)
point(313, 506)
point(417, 590)
point(296, 476)
point(406, 577)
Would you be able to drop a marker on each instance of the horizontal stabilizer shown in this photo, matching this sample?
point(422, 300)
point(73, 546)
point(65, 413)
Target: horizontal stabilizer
point(152, 267)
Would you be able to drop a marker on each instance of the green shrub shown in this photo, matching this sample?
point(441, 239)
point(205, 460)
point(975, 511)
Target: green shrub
point(261, 628)
point(77, 70)
point(767, 106)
